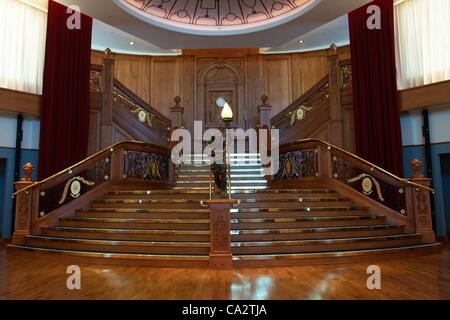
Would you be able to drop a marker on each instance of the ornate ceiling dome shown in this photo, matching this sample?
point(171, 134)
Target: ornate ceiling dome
point(216, 17)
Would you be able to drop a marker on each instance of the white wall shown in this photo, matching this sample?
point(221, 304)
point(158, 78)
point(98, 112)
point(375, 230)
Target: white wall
point(8, 130)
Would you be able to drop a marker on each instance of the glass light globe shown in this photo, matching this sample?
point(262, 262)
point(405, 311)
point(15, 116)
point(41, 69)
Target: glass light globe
point(220, 102)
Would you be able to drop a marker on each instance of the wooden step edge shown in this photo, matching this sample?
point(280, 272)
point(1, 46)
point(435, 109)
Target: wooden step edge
point(334, 254)
point(315, 229)
point(307, 219)
point(124, 231)
point(115, 258)
point(90, 241)
point(247, 200)
point(274, 243)
point(138, 220)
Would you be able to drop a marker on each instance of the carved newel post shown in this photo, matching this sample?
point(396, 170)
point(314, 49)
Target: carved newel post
point(264, 113)
point(220, 256)
point(176, 114)
point(421, 203)
point(23, 206)
point(176, 118)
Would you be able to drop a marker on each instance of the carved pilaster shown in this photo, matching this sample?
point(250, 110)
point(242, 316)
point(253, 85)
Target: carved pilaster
point(336, 134)
point(107, 81)
point(220, 225)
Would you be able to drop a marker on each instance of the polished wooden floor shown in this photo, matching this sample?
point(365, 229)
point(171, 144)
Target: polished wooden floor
point(44, 277)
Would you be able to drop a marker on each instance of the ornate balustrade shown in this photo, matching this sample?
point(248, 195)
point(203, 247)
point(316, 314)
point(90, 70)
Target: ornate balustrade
point(298, 110)
point(141, 111)
point(44, 202)
point(404, 201)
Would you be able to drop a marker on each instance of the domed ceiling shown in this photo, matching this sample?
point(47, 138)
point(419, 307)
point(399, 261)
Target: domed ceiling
point(217, 16)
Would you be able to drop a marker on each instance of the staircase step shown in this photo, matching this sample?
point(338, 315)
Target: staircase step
point(305, 222)
point(153, 260)
point(333, 257)
point(158, 224)
point(128, 214)
point(315, 233)
point(127, 246)
point(127, 234)
point(318, 245)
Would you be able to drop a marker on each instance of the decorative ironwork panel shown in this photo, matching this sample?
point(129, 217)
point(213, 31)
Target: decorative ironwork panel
point(143, 165)
point(141, 114)
point(94, 81)
point(298, 164)
point(74, 187)
point(366, 183)
point(347, 78)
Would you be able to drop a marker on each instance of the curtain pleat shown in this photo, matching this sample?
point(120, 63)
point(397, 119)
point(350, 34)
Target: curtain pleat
point(22, 46)
point(377, 116)
point(65, 98)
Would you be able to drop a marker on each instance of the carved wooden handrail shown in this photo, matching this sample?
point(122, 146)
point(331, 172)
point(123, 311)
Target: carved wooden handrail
point(43, 202)
point(286, 112)
point(354, 159)
point(143, 111)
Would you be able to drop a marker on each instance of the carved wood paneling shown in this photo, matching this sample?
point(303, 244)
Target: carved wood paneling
point(157, 80)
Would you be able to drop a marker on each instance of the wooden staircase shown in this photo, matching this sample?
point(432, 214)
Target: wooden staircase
point(270, 227)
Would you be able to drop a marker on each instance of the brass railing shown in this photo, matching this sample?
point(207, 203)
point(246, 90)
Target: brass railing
point(48, 199)
point(316, 159)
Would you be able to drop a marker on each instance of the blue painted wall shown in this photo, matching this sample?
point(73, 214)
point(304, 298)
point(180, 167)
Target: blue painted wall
point(441, 200)
point(8, 158)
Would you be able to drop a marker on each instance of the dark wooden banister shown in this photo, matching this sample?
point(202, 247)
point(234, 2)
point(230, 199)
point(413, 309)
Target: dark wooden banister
point(298, 102)
point(155, 113)
point(401, 201)
point(358, 161)
point(80, 166)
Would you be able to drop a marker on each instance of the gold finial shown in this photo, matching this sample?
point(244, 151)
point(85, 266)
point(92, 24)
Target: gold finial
point(28, 169)
point(416, 165)
point(264, 99)
point(177, 101)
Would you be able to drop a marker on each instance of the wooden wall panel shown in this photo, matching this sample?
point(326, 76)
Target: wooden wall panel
point(133, 72)
point(283, 77)
point(165, 82)
point(277, 74)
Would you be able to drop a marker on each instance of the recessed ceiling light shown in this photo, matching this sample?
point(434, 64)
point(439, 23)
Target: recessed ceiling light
point(132, 43)
point(300, 41)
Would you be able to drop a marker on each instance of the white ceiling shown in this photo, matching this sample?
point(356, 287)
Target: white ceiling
point(324, 25)
point(281, 37)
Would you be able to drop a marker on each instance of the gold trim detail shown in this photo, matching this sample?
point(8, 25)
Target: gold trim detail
point(367, 185)
point(69, 185)
point(316, 99)
point(141, 114)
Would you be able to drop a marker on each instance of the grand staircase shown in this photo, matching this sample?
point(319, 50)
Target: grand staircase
point(170, 227)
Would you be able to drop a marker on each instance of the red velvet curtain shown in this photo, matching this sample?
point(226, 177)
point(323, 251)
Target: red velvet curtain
point(377, 115)
point(65, 97)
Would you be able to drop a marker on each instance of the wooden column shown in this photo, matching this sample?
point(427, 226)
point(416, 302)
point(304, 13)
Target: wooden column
point(107, 100)
point(420, 204)
point(220, 256)
point(23, 206)
point(334, 82)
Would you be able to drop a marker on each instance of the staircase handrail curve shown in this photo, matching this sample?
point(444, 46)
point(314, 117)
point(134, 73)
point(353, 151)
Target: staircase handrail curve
point(141, 103)
point(96, 157)
point(275, 120)
point(358, 161)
